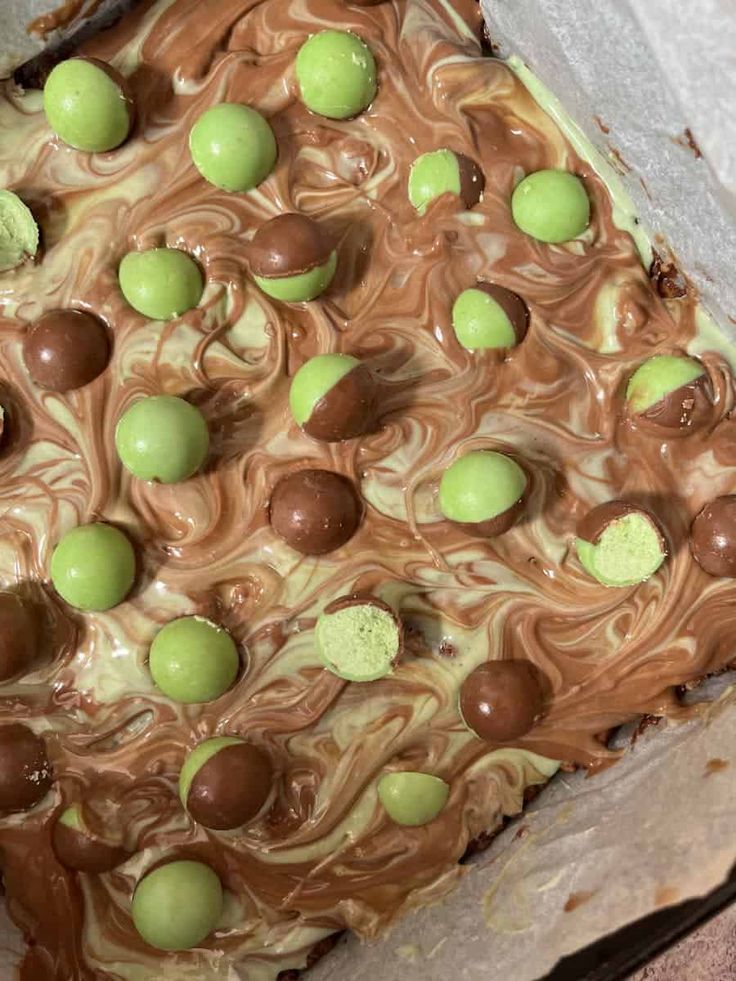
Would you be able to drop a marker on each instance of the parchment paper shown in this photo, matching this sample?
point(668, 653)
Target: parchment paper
point(594, 853)
point(17, 45)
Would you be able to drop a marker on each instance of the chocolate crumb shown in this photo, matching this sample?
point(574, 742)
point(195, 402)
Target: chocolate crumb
point(576, 899)
point(447, 648)
point(688, 141)
point(667, 278)
point(715, 766)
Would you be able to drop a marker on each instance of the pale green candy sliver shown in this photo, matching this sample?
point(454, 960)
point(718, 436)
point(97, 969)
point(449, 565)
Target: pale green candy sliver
point(18, 231)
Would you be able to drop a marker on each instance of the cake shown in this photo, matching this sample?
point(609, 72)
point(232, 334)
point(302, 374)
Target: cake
point(355, 476)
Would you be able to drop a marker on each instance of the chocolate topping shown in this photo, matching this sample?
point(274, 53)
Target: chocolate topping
point(18, 636)
point(472, 180)
point(231, 787)
point(492, 527)
point(66, 349)
point(685, 408)
point(512, 305)
point(25, 773)
point(713, 537)
point(501, 700)
point(599, 518)
point(315, 511)
point(348, 409)
point(398, 272)
point(82, 852)
point(288, 245)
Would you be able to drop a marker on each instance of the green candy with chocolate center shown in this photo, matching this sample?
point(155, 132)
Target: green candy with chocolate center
point(358, 638)
point(292, 258)
point(483, 492)
point(332, 397)
point(620, 544)
point(444, 172)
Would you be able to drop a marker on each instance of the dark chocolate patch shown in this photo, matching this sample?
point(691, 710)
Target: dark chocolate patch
point(18, 636)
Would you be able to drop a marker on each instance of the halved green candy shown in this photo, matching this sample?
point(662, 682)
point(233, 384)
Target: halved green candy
point(358, 638)
point(412, 799)
point(441, 172)
point(619, 544)
point(18, 231)
point(655, 388)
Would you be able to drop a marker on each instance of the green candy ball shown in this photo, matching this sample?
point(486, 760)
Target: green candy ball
point(336, 74)
point(480, 322)
point(85, 107)
point(658, 377)
point(178, 905)
point(301, 287)
point(192, 660)
point(93, 567)
point(233, 147)
point(314, 380)
point(480, 485)
point(432, 175)
point(160, 283)
point(551, 205)
point(162, 438)
point(412, 799)
point(18, 231)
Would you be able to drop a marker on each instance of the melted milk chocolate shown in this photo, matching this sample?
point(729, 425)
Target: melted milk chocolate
point(323, 856)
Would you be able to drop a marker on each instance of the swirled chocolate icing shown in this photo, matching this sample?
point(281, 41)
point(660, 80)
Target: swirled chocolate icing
point(324, 855)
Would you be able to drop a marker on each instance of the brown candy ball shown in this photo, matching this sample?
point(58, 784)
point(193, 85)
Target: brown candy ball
point(231, 787)
point(18, 636)
point(713, 537)
point(501, 700)
point(66, 349)
point(25, 772)
point(315, 511)
point(288, 245)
